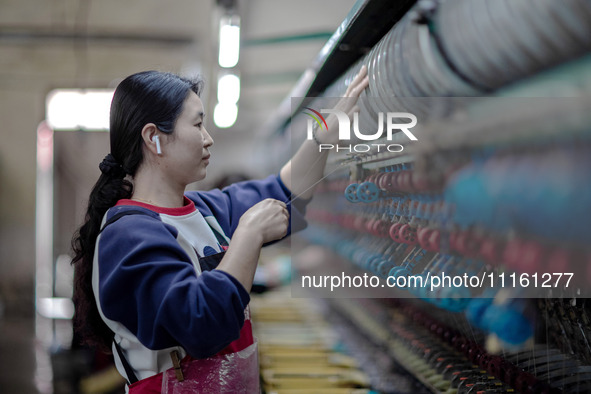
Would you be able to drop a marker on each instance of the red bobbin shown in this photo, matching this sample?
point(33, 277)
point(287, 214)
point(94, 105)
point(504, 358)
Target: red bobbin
point(512, 253)
point(467, 243)
point(423, 235)
point(532, 257)
point(369, 225)
point(404, 181)
point(435, 241)
point(393, 232)
point(408, 235)
point(382, 180)
point(490, 250)
point(392, 181)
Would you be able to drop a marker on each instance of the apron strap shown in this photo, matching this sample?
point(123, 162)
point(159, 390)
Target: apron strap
point(131, 377)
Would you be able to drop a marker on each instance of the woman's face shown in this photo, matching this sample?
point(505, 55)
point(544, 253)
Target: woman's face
point(188, 148)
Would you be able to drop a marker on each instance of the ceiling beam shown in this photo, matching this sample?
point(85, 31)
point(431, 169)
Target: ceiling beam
point(314, 36)
point(25, 35)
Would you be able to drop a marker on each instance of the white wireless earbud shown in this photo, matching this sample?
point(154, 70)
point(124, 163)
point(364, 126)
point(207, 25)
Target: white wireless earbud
point(156, 139)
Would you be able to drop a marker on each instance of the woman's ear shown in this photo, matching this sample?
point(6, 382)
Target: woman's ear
point(150, 135)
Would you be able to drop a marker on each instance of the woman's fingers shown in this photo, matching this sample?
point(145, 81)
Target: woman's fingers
point(359, 83)
point(281, 203)
point(360, 75)
point(347, 104)
point(357, 90)
point(283, 206)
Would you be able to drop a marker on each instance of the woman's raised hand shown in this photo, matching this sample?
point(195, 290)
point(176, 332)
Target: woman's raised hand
point(347, 104)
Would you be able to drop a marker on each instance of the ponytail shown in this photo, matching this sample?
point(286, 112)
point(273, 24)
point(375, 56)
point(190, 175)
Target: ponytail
point(110, 188)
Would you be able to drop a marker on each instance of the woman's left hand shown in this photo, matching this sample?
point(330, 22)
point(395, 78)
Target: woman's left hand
point(347, 104)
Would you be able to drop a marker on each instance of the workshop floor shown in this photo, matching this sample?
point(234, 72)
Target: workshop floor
point(18, 360)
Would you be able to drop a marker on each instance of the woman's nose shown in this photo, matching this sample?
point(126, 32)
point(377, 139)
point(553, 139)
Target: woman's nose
point(208, 140)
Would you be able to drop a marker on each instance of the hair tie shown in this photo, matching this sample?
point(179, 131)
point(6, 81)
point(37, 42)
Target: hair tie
point(111, 167)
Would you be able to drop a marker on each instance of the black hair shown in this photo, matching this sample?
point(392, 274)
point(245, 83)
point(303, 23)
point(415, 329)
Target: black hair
point(146, 97)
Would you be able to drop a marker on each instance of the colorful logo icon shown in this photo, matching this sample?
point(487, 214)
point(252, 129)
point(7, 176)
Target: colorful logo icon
point(316, 118)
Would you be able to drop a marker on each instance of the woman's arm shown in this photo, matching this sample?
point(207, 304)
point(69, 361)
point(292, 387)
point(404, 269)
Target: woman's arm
point(268, 220)
point(144, 281)
point(306, 167)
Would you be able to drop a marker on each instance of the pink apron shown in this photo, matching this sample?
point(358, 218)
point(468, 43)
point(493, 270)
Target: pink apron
point(233, 370)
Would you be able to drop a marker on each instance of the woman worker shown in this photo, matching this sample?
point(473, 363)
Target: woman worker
point(162, 276)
